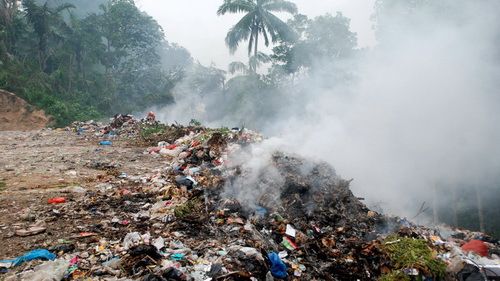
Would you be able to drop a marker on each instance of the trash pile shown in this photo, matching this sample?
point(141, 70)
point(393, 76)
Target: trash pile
point(203, 216)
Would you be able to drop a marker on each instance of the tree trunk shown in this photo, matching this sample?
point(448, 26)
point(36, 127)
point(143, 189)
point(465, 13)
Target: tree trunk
point(480, 212)
point(256, 50)
point(70, 68)
point(256, 43)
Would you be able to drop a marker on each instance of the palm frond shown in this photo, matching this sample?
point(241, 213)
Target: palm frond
point(63, 7)
point(256, 60)
point(262, 57)
point(240, 32)
point(236, 6)
point(281, 6)
point(277, 28)
point(237, 66)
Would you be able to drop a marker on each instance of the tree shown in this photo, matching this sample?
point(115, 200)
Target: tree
point(131, 37)
point(78, 67)
point(326, 38)
point(258, 20)
point(45, 21)
point(253, 63)
point(82, 8)
point(131, 57)
point(174, 57)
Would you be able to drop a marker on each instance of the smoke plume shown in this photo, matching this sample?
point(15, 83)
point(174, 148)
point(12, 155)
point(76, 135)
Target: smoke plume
point(420, 112)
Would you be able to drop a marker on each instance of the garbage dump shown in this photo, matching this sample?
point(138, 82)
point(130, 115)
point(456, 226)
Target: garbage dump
point(204, 215)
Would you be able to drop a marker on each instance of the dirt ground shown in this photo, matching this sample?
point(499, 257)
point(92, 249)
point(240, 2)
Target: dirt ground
point(17, 114)
point(38, 165)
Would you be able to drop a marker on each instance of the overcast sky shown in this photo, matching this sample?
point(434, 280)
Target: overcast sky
point(195, 25)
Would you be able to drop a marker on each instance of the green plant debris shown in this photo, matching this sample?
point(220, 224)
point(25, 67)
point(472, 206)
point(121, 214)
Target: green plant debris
point(405, 252)
point(192, 206)
point(395, 275)
point(195, 123)
point(149, 131)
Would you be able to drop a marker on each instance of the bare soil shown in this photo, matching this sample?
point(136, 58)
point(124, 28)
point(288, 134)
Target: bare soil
point(38, 165)
point(17, 114)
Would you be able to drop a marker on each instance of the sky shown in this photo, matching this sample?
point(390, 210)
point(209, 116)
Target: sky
point(195, 25)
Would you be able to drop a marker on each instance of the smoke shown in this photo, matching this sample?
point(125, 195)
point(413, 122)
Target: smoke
point(421, 111)
point(254, 181)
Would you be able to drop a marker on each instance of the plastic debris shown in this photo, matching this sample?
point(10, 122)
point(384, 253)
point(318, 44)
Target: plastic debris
point(39, 254)
point(476, 246)
point(290, 231)
point(177, 257)
point(48, 271)
point(191, 208)
point(278, 268)
point(289, 244)
point(56, 200)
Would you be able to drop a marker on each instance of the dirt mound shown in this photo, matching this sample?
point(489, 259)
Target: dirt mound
point(17, 115)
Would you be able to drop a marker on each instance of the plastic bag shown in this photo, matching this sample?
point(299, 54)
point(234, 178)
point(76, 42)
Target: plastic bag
point(278, 268)
point(32, 255)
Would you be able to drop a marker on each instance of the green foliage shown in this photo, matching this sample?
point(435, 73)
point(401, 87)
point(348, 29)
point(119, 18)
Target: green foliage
point(191, 207)
point(258, 20)
point(195, 123)
point(203, 81)
point(325, 38)
point(405, 252)
point(149, 131)
point(395, 275)
point(78, 68)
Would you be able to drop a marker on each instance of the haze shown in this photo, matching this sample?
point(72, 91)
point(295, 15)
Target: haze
point(195, 25)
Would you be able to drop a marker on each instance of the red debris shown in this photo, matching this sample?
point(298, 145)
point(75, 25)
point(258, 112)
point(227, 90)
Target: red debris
point(151, 116)
point(172, 146)
point(476, 246)
point(57, 200)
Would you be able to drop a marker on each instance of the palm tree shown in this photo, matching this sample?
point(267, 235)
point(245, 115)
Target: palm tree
point(258, 20)
point(253, 63)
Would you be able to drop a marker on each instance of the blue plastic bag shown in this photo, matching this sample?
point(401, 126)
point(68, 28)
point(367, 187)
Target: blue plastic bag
point(32, 255)
point(105, 143)
point(177, 257)
point(278, 268)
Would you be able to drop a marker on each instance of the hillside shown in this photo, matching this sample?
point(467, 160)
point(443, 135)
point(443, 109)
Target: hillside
point(17, 115)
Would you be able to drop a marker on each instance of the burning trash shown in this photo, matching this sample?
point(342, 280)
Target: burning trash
point(210, 213)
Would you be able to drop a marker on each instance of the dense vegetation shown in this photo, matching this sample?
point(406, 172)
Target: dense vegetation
point(80, 66)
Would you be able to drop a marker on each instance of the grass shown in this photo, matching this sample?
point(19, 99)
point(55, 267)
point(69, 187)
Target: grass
point(405, 252)
point(395, 275)
point(149, 131)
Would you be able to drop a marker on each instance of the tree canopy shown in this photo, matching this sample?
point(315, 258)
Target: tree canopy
point(258, 20)
point(80, 67)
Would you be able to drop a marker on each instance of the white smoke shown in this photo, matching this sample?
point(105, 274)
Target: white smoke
point(422, 111)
